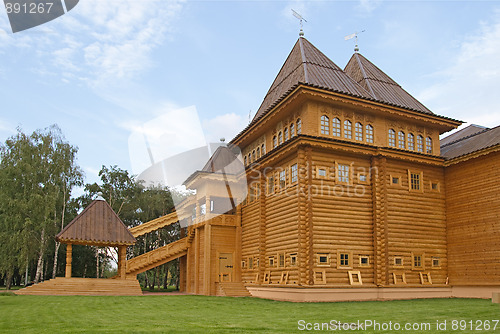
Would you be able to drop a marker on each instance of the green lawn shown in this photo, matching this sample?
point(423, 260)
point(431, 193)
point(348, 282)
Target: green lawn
point(199, 314)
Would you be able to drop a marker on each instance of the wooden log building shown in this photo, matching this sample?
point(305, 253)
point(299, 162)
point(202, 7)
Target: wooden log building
point(351, 196)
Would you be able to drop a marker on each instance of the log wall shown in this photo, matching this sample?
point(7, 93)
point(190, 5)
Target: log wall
point(473, 206)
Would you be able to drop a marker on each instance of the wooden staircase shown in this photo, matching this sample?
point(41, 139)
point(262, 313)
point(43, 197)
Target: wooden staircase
point(61, 286)
point(157, 257)
point(232, 289)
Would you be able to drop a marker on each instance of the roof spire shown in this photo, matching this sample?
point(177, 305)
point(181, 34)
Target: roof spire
point(297, 15)
point(354, 35)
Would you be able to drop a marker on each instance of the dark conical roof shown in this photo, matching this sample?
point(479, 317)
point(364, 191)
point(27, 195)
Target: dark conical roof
point(380, 86)
point(97, 225)
point(306, 64)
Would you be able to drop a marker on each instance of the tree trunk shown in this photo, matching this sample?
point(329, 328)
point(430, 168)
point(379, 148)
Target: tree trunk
point(165, 280)
point(8, 281)
point(84, 270)
point(58, 244)
point(39, 265)
point(26, 274)
point(97, 262)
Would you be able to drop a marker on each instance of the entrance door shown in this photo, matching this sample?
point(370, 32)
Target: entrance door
point(225, 267)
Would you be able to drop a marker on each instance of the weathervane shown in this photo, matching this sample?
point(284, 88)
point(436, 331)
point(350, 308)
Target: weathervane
point(354, 35)
point(297, 15)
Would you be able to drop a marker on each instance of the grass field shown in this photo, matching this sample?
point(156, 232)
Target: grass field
point(199, 314)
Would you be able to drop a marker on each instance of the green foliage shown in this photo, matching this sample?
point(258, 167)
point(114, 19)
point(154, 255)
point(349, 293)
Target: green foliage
point(199, 314)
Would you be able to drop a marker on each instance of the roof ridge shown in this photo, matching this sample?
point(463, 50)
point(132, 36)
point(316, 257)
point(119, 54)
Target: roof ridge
point(365, 77)
point(303, 56)
point(469, 136)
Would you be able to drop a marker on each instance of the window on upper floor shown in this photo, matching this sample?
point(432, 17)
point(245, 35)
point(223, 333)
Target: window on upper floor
point(253, 155)
point(263, 149)
point(358, 131)
point(293, 173)
point(420, 143)
point(249, 158)
point(369, 133)
point(299, 126)
point(347, 129)
point(325, 125)
point(428, 145)
point(280, 138)
point(258, 152)
point(286, 134)
point(292, 130)
point(411, 142)
point(343, 173)
point(270, 184)
point(245, 160)
point(401, 140)
point(275, 142)
point(336, 127)
point(283, 179)
point(392, 138)
point(415, 181)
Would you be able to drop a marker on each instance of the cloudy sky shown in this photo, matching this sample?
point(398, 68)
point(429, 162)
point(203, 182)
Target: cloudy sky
point(108, 68)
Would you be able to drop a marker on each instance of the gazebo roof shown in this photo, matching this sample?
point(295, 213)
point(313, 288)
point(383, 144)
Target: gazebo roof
point(97, 225)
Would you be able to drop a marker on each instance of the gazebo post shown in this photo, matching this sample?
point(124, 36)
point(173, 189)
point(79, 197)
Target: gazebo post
point(69, 259)
point(122, 258)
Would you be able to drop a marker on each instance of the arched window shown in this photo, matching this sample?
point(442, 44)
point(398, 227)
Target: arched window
point(358, 131)
point(275, 142)
point(336, 127)
point(292, 130)
point(392, 138)
point(253, 155)
point(299, 126)
point(411, 142)
point(401, 140)
point(286, 134)
point(428, 145)
point(347, 129)
point(245, 160)
point(420, 143)
point(263, 149)
point(325, 125)
point(369, 133)
point(258, 152)
point(280, 138)
point(249, 158)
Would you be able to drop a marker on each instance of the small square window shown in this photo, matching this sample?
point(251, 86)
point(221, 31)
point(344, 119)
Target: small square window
point(436, 263)
point(435, 186)
point(344, 259)
point(321, 172)
point(362, 178)
point(398, 261)
point(395, 180)
point(271, 261)
point(364, 261)
point(323, 259)
point(243, 264)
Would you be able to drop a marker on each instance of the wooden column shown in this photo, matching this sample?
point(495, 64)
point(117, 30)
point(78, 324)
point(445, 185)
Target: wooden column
point(69, 259)
point(122, 261)
point(309, 220)
point(207, 272)
point(301, 217)
point(197, 260)
point(262, 229)
point(380, 246)
point(237, 260)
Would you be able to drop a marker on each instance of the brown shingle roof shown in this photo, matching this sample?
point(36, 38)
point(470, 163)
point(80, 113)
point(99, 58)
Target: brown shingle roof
point(465, 132)
point(306, 64)
point(470, 144)
point(97, 225)
point(380, 86)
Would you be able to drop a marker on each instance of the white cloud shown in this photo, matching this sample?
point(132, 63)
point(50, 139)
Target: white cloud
point(223, 126)
point(468, 87)
point(368, 6)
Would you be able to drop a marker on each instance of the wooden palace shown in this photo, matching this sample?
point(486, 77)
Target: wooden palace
point(351, 196)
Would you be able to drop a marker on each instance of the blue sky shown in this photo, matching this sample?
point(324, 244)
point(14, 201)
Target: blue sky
point(107, 67)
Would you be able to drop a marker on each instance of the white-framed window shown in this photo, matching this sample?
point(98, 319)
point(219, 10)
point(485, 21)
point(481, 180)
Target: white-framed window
point(292, 130)
point(411, 142)
point(428, 145)
point(420, 144)
point(286, 134)
point(392, 138)
point(336, 127)
point(325, 125)
point(280, 138)
point(347, 129)
point(358, 131)
point(401, 140)
point(283, 179)
point(369, 133)
point(270, 184)
point(293, 173)
point(299, 126)
point(275, 142)
point(343, 173)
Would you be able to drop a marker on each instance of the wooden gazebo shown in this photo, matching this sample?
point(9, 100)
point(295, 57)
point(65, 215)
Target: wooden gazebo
point(97, 225)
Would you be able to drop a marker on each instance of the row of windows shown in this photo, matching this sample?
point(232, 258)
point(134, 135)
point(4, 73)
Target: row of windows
point(285, 135)
point(360, 133)
point(256, 154)
point(408, 142)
